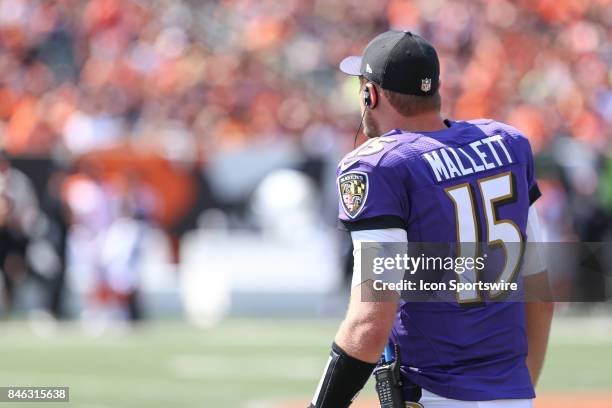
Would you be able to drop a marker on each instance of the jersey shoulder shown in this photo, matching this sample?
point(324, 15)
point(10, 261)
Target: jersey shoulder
point(492, 127)
point(517, 141)
point(386, 152)
point(369, 184)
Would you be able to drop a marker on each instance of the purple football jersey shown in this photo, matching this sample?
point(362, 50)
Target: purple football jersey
point(465, 183)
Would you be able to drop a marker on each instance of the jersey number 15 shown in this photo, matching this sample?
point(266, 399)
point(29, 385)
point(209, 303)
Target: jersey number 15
point(494, 191)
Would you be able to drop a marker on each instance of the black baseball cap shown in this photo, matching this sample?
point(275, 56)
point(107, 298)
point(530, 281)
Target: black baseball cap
point(398, 61)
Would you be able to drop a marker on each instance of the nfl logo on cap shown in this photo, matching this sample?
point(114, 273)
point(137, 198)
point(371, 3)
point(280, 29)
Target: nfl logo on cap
point(426, 84)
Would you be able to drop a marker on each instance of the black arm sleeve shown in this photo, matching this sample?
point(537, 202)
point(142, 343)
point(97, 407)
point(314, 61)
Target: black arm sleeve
point(342, 380)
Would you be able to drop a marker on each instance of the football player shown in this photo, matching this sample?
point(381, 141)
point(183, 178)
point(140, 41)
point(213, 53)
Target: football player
point(421, 178)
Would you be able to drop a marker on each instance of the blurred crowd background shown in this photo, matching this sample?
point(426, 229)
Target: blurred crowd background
point(129, 127)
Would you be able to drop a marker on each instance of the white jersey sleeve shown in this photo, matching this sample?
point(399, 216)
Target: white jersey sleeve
point(377, 235)
point(533, 259)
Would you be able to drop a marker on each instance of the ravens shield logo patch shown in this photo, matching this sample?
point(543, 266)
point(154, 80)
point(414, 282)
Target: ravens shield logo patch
point(353, 188)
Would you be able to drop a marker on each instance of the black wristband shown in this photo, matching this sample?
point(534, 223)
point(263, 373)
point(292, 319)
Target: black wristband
point(343, 378)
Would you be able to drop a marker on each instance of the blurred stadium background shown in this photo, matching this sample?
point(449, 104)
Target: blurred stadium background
point(167, 198)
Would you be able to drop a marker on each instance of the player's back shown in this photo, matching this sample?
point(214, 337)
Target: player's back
point(461, 168)
point(472, 182)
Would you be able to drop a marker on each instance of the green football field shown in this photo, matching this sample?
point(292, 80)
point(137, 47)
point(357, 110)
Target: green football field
point(248, 363)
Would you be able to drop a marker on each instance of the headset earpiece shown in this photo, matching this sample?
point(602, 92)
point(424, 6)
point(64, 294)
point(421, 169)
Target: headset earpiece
point(367, 99)
point(370, 96)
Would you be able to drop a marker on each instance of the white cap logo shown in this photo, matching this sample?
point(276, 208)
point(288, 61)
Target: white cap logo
point(426, 84)
point(368, 68)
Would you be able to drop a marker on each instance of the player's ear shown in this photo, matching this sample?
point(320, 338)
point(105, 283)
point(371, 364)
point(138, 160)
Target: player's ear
point(370, 95)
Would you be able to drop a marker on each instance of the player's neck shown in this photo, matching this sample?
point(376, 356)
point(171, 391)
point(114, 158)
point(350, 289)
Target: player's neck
point(423, 122)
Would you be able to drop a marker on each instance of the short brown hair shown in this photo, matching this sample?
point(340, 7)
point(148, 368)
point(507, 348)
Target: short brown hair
point(409, 105)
